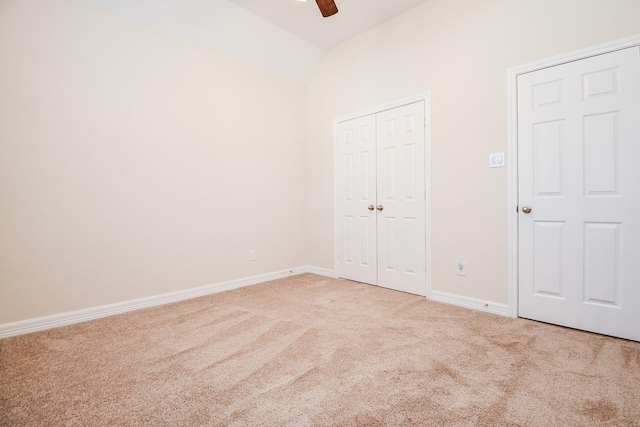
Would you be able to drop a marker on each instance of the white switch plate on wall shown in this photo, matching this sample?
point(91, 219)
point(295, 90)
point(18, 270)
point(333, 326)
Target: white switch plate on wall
point(461, 268)
point(496, 160)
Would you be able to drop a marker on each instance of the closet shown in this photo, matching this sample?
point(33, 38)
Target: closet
point(381, 195)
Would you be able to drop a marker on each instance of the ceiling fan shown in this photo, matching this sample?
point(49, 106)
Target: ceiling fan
point(327, 7)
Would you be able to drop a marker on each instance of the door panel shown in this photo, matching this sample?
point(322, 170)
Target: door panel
point(578, 157)
point(549, 156)
point(356, 191)
point(601, 154)
point(548, 263)
point(601, 259)
point(401, 193)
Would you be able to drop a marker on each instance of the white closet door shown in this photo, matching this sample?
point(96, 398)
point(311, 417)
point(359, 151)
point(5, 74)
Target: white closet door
point(401, 196)
point(356, 198)
point(579, 194)
point(381, 199)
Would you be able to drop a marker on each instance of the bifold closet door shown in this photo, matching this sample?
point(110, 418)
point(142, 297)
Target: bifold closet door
point(381, 199)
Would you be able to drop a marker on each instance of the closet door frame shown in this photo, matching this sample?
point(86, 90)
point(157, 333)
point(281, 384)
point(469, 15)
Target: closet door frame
point(426, 98)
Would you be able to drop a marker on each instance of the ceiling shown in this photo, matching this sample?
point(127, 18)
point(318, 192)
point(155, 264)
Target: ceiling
point(303, 18)
point(287, 37)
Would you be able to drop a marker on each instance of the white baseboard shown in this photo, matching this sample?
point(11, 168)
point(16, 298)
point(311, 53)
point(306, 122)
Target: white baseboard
point(71, 317)
point(321, 271)
point(78, 316)
point(472, 303)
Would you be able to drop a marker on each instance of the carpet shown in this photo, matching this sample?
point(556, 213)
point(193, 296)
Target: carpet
point(313, 351)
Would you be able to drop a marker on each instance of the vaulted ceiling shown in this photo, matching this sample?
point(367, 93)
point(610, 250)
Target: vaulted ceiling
point(287, 37)
point(303, 18)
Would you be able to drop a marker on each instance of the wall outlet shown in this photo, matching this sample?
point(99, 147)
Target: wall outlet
point(252, 255)
point(461, 268)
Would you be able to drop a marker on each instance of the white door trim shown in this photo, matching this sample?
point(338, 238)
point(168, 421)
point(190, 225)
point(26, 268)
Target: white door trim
point(426, 97)
point(512, 145)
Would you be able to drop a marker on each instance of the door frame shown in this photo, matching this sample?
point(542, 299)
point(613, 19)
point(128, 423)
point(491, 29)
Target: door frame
point(426, 97)
point(512, 147)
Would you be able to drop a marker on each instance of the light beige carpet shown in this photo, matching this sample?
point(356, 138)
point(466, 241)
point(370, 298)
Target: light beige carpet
point(312, 351)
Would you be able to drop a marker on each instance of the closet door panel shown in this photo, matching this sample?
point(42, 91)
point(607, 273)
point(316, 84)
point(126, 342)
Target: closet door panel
point(401, 186)
point(356, 195)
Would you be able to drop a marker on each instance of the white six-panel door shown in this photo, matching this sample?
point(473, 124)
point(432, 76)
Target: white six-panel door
point(356, 198)
point(401, 196)
point(381, 199)
point(579, 194)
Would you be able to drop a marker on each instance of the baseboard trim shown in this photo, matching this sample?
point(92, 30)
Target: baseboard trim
point(472, 303)
point(321, 271)
point(69, 318)
point(78, 316)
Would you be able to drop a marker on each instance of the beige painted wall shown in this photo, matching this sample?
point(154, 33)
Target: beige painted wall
point(459, 50)
point(134, 163)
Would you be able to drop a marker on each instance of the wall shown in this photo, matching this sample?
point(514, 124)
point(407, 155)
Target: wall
point(134, 162)
point(459, 50)
point(228, 28)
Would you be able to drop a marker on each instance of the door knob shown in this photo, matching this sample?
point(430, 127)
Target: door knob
point(380, 207)
point(371, 207)
point(526, 209)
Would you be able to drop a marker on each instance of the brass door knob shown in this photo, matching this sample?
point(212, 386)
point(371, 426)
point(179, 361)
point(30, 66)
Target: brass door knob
point(380, 207)
point(526, 209)
point(371, 207)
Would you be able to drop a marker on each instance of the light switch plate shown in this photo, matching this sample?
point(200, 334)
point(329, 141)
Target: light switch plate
point(461, 268)
point(496, 160)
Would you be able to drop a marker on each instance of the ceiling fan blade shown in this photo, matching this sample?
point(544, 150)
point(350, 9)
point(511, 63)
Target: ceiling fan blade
point(327, 7)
